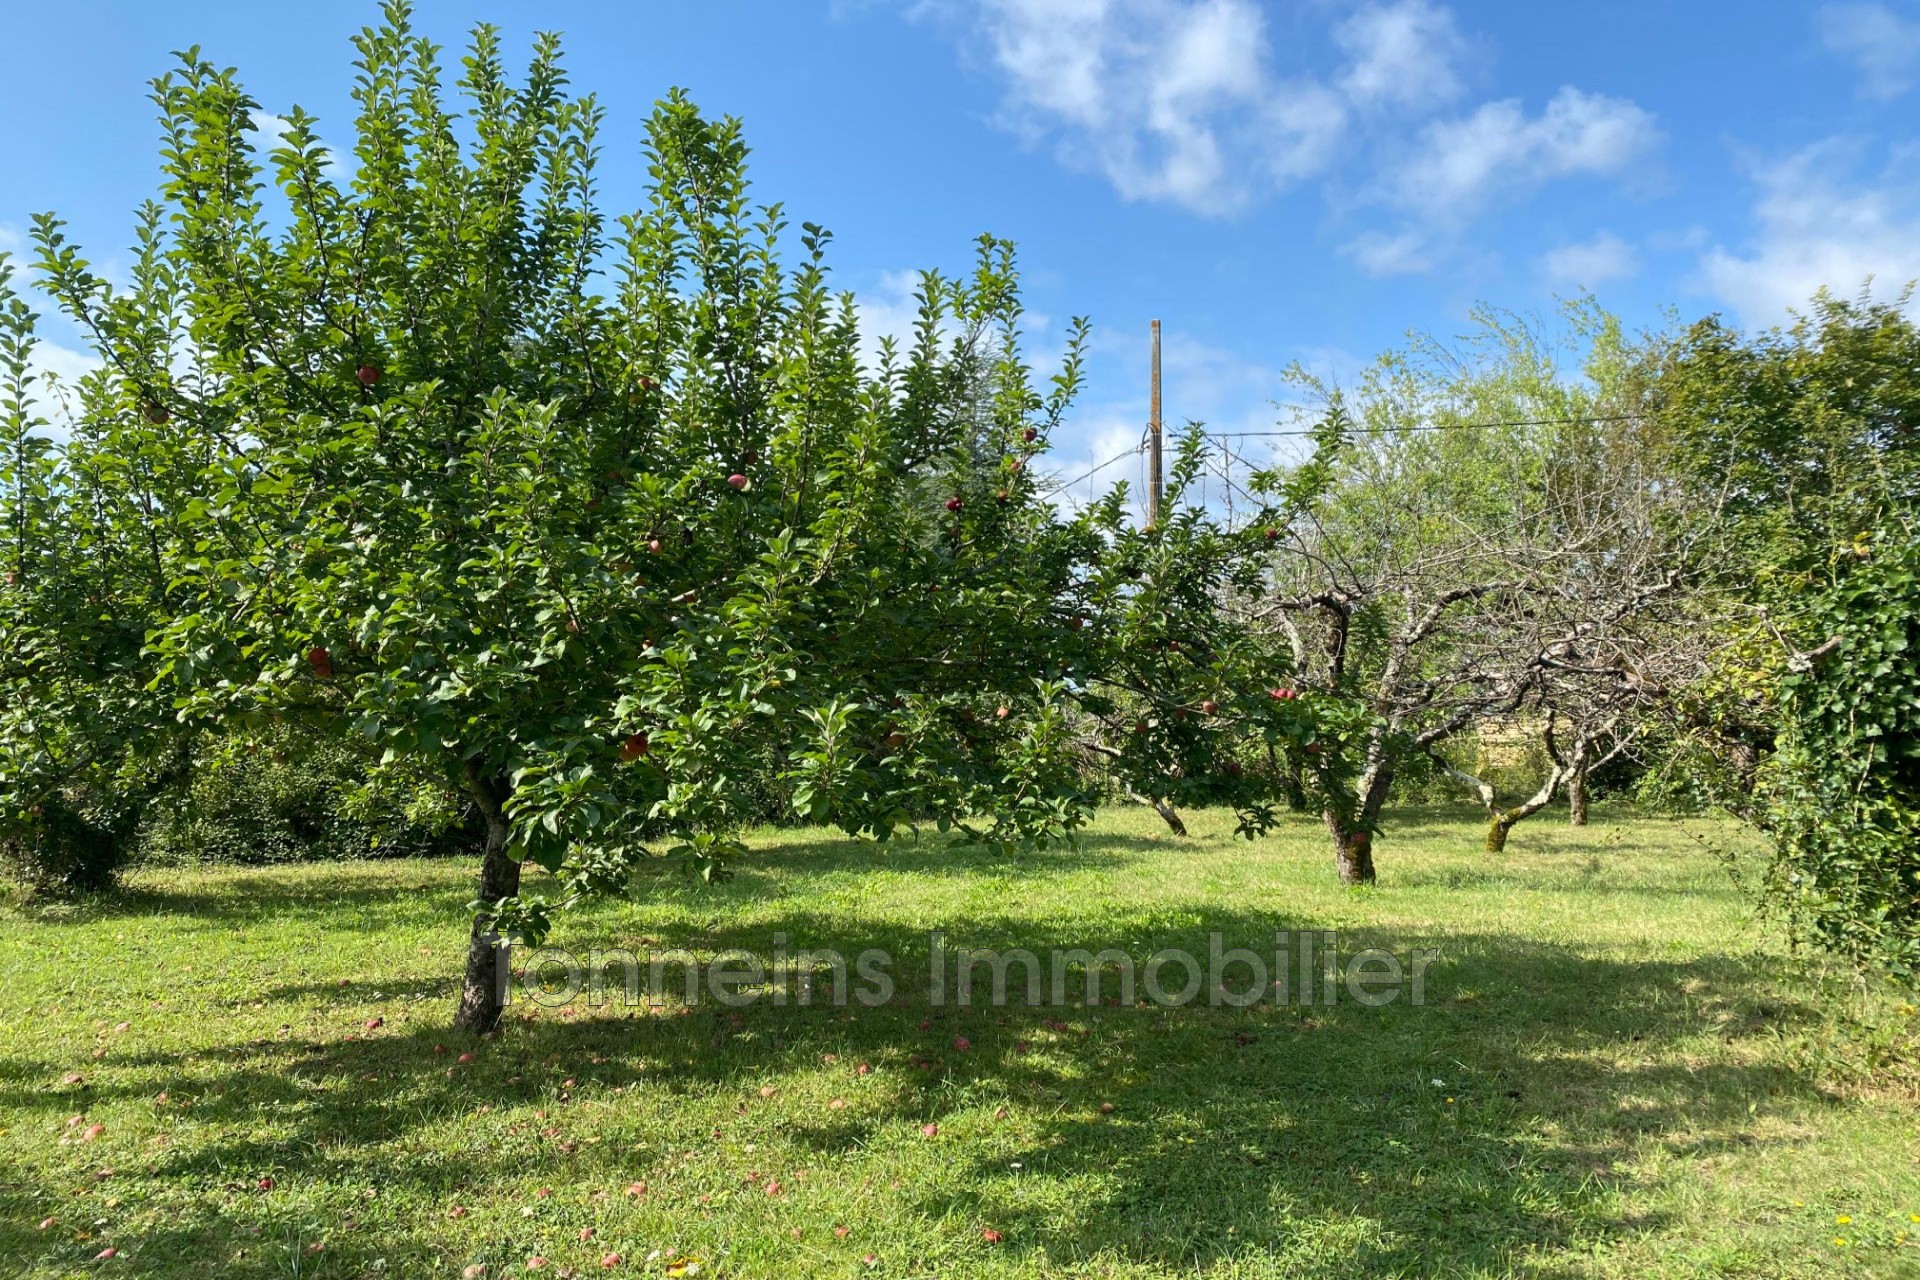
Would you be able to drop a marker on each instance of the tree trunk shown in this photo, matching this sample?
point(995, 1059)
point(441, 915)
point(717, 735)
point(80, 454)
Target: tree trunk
point(484, 989)
point(1170, 816)
point(1498, 830)
point(1352, 854)
point(1353, 835)
point(1577, 797)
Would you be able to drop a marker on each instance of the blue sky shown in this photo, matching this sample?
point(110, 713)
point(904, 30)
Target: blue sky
point(1275, 181)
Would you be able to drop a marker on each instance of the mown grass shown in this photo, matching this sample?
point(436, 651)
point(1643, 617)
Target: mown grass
point(1618, 1072)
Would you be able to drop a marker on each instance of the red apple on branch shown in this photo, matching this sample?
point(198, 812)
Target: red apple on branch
point(737, 481)
point(368, 374)
point(954, 503)
point(1030, 434)
point(321, 661)
point(634, 747)
point(1209, 707)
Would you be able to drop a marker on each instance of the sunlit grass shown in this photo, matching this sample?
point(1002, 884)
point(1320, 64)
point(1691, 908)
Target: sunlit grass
point(1635, 1077)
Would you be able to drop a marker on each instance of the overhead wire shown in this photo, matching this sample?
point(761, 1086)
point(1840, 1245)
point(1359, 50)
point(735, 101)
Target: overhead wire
point(1444, 426)
point(1230, 456)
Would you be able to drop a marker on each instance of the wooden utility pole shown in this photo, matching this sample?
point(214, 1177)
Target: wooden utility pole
point(1153, 439)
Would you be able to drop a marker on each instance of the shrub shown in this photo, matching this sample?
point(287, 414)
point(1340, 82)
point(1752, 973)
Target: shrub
point(78, 846)
point(284, 794)
point(1843, 792)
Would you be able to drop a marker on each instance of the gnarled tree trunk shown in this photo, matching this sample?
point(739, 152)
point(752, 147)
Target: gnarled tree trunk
point(1501, 822)
point(483, 991)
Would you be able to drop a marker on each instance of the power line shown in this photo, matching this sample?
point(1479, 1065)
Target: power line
point(1134, 452)
point(1137, 450)
point(1442, 426)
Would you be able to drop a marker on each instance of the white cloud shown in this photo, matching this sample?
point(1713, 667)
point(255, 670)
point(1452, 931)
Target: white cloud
point(1884, 45)
point(1178, 101)
point(1589, 264)
point(1461, 164)
point(1818, 227)
point(1382, 254)
point(1401, 53)
point(1298, 132)
point(1139, 90)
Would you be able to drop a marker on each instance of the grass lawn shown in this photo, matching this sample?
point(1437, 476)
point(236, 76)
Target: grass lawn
point(1617, 1071)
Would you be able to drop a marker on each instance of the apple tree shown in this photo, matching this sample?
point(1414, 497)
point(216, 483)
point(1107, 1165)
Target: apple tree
point(606, 520)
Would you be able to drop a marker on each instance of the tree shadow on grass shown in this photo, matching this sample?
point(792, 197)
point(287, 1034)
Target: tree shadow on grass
point(1482, 1132)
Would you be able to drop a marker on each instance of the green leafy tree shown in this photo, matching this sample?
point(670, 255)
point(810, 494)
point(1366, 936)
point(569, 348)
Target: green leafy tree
point(88, 744)
point(1808, 442)
point(605, 522)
